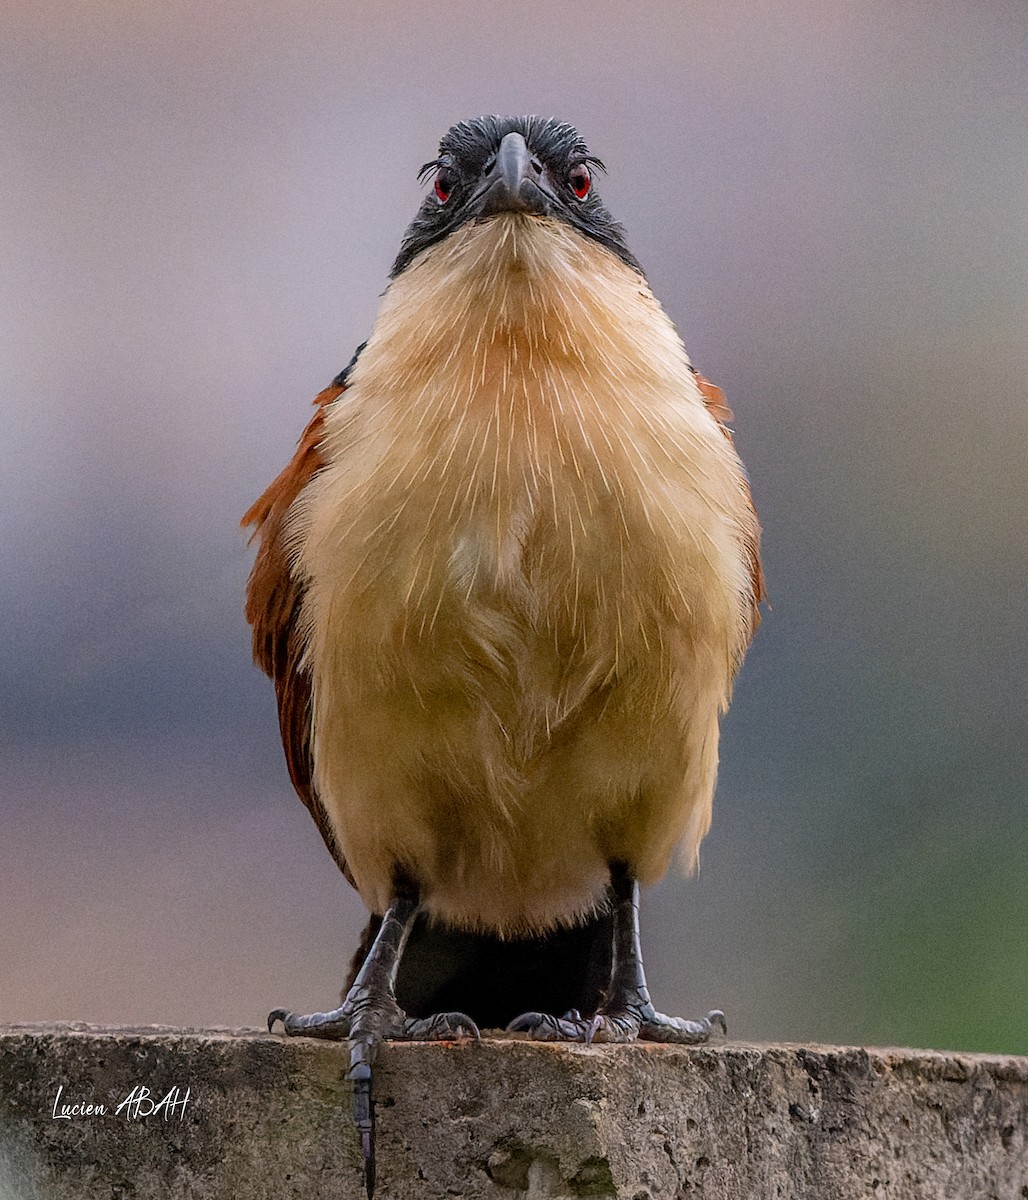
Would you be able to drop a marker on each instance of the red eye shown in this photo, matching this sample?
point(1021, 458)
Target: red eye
point(580, 181)
point(443, 184)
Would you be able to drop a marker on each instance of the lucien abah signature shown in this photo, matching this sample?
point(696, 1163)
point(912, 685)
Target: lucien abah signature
point(139, 1104)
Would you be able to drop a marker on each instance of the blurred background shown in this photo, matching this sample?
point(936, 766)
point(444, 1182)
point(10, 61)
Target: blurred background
point(200, 205)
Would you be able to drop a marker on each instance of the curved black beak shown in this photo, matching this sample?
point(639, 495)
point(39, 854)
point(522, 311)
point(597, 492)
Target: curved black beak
point(514, 181)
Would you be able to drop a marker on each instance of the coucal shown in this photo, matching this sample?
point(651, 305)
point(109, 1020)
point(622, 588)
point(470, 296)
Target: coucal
point(503, 588)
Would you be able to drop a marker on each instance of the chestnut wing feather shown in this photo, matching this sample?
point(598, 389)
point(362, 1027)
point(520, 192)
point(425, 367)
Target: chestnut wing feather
point(717, 406)
point(273, 601)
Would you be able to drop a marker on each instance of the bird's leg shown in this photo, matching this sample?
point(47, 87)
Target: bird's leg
point(370, 1014)
point(371, 1002)
point(627, 1012)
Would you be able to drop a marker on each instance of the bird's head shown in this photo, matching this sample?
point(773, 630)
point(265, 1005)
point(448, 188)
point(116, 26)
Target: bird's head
point(534, 166)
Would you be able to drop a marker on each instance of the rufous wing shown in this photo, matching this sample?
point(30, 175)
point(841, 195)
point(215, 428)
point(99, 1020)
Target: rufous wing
point(273, 601)
point(717, 406)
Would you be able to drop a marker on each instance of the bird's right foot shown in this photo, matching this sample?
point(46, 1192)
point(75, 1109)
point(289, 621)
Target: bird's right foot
point(370, 1015)
point(367, 1017)
point(371, 1018)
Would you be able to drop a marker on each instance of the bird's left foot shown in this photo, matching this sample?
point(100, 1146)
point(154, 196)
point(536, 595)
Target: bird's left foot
point(542, 1027)
point(627, 1024)
point(626, 1013)
point(644, 1023)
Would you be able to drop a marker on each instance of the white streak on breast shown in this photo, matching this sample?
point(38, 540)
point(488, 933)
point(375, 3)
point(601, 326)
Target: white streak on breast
point(527, 587)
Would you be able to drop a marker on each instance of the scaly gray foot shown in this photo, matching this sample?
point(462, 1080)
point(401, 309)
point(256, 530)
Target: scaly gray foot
point(381, 1020)
point(642, 1023)
point(370, 1015)
point(542, 1027)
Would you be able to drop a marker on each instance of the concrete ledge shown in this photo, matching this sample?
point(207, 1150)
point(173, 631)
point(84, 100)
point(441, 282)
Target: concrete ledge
point(502, 1119)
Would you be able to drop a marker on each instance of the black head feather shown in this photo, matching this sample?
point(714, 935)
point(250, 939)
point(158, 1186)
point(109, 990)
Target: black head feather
point(466, 155)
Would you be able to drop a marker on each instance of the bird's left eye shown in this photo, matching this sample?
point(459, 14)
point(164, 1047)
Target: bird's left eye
point(443, 184)
point(580, 180)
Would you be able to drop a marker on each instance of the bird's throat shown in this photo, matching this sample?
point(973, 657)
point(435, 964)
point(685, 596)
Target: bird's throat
point(530, 290)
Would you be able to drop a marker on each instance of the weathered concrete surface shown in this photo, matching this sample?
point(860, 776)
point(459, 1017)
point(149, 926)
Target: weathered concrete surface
point(266, 1117)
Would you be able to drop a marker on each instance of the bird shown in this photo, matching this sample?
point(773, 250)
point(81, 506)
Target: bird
point(503, 589)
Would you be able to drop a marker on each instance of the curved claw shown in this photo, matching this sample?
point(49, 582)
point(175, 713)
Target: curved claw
point(544, 1027)
point(441, 1027)
point(648, 1025)
point(369, 1028)
point(593, 1028)
point(656, 1027)
point(363, 1114)
point(334, 1026)
point(614, 1027)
